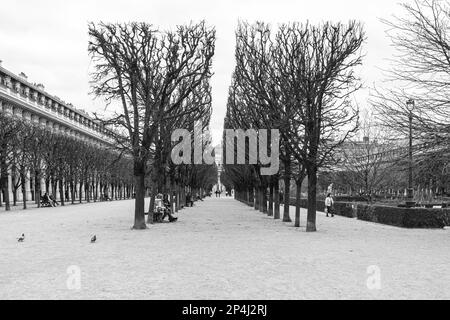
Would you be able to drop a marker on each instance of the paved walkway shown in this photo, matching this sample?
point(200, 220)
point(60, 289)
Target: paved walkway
point(219, 249)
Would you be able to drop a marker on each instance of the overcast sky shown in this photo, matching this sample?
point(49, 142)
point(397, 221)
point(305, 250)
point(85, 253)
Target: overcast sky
point(47, 40)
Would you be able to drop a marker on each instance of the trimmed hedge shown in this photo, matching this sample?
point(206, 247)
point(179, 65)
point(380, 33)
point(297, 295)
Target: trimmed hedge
point(340, 208)
point(405, 217)
point(350, 198)
point(395, 216)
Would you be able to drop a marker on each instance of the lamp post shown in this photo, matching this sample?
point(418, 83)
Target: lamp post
point(409, 202)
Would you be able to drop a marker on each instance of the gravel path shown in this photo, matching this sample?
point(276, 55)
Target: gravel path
point(219, 249)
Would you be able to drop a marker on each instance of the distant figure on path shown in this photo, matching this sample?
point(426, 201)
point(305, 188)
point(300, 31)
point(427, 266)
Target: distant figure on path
point(329, 205)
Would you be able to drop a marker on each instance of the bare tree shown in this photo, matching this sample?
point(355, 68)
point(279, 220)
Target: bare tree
point(9, 130)
point(321, 79)
point(257, 95)
point(301, 84)
point(420, 70)
point(151, 73)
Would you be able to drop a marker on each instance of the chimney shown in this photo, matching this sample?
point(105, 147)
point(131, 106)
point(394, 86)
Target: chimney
point(1, 63)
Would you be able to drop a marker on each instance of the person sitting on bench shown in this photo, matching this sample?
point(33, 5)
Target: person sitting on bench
point(53, 200)
point(45, 201)
point(168, 209)
point(162, 209)
point(158, 210)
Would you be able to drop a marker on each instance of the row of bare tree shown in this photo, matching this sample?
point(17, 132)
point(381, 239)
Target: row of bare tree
point(298, 81)
point(30, 154)
point(156, 81)
point(419, 72)
point(378, 160)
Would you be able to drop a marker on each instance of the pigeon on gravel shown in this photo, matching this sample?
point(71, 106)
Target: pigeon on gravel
point(94, 238)
point(21, 238)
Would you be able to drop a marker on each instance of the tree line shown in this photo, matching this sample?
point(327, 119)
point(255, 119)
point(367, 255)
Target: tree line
point(79, 170)
point(299, 81)
point(155, 82)
point(416, 86)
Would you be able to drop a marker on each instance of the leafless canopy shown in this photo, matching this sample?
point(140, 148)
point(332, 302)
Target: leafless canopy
point(420, 71)
point(156, 76)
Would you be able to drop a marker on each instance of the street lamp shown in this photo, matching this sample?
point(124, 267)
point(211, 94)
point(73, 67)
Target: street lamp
point(409, 202)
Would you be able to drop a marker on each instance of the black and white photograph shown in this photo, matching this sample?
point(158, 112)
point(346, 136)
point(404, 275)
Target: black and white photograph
point(224, 154)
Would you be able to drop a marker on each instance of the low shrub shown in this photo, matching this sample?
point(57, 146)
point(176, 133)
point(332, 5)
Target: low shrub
point(340, 208)
point(404, 217)
point(395, 216)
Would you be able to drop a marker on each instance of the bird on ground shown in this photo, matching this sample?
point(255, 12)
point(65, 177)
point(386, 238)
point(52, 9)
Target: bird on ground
point(94, 238)
point(21, 238)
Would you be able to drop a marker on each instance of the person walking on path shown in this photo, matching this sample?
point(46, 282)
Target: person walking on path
point(329, 205)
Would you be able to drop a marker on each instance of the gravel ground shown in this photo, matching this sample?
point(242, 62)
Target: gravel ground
point(219, 249)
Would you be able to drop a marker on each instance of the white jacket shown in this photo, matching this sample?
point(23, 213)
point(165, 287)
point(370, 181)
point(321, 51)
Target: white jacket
point(328, 201)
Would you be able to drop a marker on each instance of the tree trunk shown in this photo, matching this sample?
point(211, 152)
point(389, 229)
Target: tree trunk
point(139, 203)
point(37, 189)
point(61, 192)
point(32, 187)
point(177, 197)
point(23, 179)
point(72, 192)
point(298, 194)
point(264, 199)
point(14, 187)
point(14, 193)
point(260, 199)
point(172, 197)
point(4, 178)
point(87, 195)
point(54, 182)
point(80, 190)
point(287, 188)
point(5, 187)
point(276, 201)
point(270, 213)
point(153, 192)
point(183, 196)
point(312, 182)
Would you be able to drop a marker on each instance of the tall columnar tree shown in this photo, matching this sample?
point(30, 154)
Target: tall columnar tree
point(151, 74)
point(322, 61)
point(300, 83)
point(9, 135)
